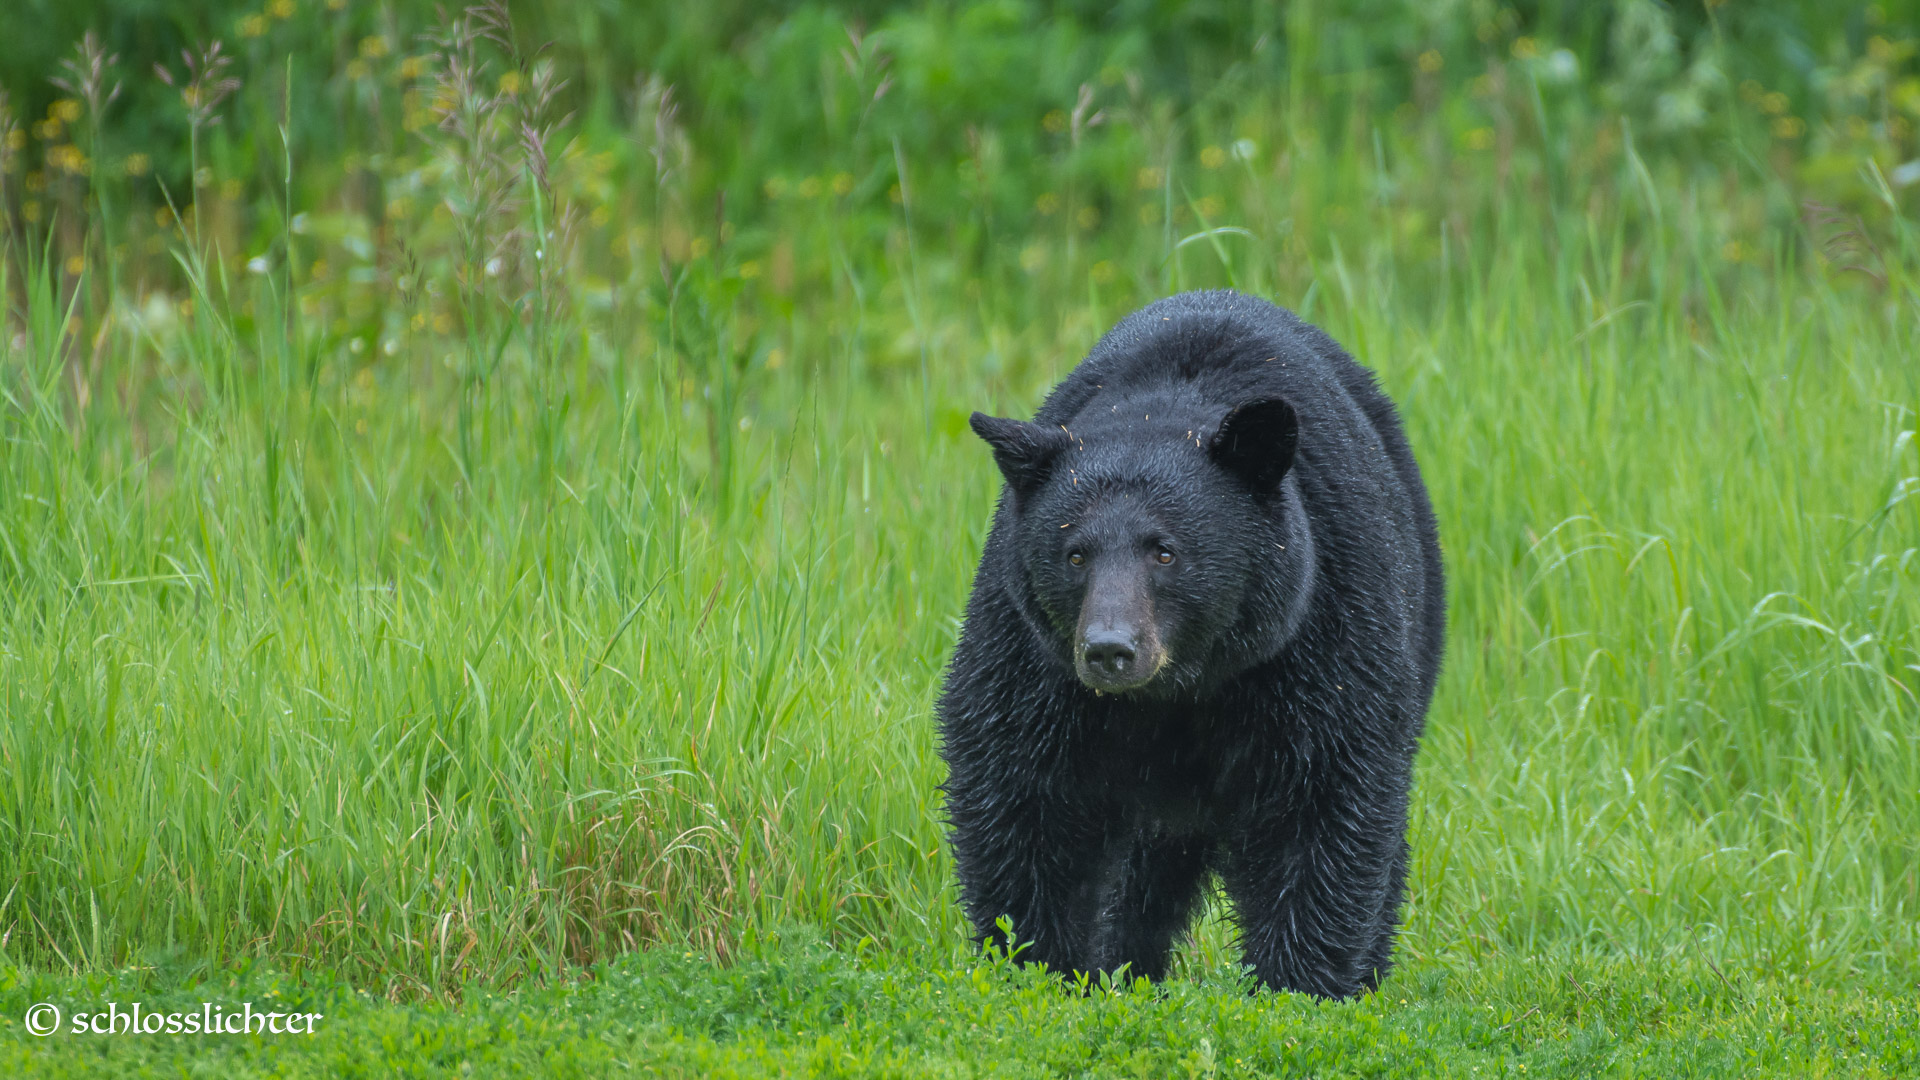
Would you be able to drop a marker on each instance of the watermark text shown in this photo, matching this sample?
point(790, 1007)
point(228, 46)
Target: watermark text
point(47, 1018)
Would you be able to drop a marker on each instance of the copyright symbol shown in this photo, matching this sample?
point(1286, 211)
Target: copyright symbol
point(43, 1019)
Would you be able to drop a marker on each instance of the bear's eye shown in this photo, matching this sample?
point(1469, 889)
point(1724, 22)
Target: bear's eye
point(1076, 558)
point(1164, 556)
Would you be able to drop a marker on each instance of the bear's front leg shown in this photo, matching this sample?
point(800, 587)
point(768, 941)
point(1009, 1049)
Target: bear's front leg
point(1156, 889)
point(1036, 861)
point(1315, 889)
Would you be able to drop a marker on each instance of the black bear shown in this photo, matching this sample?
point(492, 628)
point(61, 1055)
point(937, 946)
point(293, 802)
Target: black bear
point(1203, 637)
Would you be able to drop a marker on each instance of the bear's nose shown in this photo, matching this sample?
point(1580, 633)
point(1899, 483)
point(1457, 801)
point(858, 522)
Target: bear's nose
point(1109, 652)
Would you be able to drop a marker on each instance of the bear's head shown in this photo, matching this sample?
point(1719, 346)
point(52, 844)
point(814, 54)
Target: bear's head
point(1162, 543)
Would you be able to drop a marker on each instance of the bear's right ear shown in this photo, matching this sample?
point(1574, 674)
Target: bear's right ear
point(1256, 442)
point(1024, 451)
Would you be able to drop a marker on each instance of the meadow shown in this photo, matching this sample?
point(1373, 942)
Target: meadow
point(480, 536)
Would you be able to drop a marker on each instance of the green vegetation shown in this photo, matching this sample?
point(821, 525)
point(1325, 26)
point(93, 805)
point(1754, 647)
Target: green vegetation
point(495, 512)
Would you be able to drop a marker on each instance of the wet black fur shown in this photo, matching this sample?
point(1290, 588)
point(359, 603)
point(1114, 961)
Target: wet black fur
point(1276, 748)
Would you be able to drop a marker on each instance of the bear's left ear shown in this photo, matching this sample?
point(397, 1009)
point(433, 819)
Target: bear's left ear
point(1256, 442)
point(1024, 451)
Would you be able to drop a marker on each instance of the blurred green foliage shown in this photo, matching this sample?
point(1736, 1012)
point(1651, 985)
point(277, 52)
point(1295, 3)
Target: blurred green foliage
point(687, 120)
point(766, 71)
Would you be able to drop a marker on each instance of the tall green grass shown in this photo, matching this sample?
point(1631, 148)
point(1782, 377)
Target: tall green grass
point(474, 592)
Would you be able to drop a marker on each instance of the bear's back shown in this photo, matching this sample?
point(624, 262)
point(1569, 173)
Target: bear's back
point(1223, 345)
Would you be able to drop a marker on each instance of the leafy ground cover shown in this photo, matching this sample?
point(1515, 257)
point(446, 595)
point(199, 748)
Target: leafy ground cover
point(799, 1008)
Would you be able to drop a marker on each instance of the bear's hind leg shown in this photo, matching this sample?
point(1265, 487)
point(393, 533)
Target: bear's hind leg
point(1153, 897)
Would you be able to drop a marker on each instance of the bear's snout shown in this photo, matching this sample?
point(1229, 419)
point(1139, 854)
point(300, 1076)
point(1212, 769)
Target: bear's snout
point(1115, 655)
point(1117, 643)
